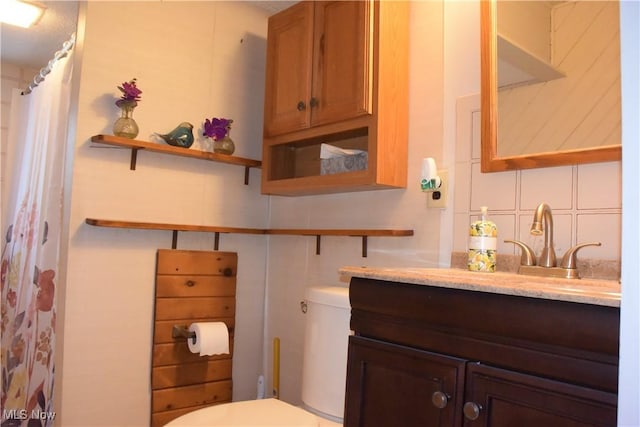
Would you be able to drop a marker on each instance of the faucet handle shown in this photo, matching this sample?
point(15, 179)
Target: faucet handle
point(528, 256)
point(570, 260)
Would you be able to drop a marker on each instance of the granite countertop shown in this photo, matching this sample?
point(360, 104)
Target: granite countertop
point(586, 291)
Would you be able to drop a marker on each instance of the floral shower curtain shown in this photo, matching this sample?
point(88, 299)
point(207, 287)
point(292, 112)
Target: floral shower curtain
point(31, 238)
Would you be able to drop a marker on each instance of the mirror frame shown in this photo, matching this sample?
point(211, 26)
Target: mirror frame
point(489, 159)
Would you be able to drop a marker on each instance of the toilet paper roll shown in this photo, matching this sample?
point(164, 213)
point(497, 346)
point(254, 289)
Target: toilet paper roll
point(211, 338)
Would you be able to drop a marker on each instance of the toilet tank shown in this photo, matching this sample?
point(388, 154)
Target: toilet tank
point(325, 350)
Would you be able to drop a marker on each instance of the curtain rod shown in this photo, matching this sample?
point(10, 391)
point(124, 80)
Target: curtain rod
point(39, 78)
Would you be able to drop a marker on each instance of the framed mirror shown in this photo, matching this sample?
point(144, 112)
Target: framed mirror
point(555, 99)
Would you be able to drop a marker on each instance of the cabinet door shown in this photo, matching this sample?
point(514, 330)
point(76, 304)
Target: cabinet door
point(288, 74)
point(390, 386)
point(342, 61)
point(502, 398)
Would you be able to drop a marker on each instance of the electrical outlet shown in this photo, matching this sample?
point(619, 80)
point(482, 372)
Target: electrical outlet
point(438, 199)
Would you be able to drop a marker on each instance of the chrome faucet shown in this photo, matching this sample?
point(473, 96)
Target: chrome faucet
point(546, 263)
point(543, 214)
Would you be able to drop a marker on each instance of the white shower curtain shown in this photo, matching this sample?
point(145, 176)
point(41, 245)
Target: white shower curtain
point(31, 237)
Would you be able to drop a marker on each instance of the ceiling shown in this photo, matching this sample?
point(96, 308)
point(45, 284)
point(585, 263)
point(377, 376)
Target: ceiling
point(35, 46)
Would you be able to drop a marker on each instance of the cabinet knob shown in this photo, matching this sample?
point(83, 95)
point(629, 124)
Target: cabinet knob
point(471, 410)
point(302, 106)
point(313, 102)
point(439, 399)
point(190, 283)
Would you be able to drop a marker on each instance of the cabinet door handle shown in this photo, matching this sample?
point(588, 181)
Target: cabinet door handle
point(439, 399)
point(313, 102)
point(302, 106)
point(471, 410)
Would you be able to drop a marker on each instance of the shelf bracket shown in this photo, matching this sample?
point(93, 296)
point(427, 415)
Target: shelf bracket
point(246, 175)
point(134, 158)
point(174, 240)
point(216, 240)
point(364, 246)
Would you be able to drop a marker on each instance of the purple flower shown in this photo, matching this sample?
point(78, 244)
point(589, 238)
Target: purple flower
point(130, 94)
point(217, 128)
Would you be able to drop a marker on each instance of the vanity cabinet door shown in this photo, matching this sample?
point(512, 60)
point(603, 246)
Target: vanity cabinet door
point(500, 398)
point(390, 385)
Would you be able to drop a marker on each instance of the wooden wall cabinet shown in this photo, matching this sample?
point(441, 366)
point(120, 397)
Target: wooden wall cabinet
point(318, 65)
point(337, 73)
point(432, 356)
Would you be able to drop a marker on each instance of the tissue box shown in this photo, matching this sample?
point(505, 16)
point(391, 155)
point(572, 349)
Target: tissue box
point(355, 162)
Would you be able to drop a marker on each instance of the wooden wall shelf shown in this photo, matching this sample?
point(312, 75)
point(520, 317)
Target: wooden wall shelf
point(136, 145)
point(175, 228)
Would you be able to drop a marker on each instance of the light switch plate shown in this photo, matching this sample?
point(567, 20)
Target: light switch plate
point(438, 199)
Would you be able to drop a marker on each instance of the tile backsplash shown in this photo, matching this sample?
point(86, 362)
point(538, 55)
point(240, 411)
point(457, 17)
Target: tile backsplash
point(585, 199)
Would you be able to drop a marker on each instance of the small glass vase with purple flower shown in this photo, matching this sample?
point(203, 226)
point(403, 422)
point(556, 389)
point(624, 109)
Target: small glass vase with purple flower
point(218, 130)
point(126, 126)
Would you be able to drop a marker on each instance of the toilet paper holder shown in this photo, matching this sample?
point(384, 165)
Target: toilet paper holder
point(181, 331)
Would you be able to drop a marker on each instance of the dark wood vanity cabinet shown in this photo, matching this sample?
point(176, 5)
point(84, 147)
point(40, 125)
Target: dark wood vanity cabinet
point(431, 356)
point(391, 385)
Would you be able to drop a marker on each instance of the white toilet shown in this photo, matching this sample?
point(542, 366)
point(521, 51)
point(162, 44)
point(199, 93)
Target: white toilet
point(323, 379)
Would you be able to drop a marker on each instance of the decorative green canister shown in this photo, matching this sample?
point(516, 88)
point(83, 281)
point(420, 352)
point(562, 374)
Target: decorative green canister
point(483, 241)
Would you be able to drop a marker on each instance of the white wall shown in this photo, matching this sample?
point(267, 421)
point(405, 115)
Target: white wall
point(629, 384)
point(193, 60)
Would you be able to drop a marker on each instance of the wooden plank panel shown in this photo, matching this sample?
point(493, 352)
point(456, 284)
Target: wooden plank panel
point(194, 308)
point(162, 329)
point(190, 373)
point(195, 286)
point(175, 353)
point(159, 419)
point(190, 286)
point(192, 395)
point(196, 262)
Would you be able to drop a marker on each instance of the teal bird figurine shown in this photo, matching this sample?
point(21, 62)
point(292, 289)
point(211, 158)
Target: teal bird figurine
point(181, 136)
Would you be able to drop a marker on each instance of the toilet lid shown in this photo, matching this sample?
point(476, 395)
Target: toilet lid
point(250, 413)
